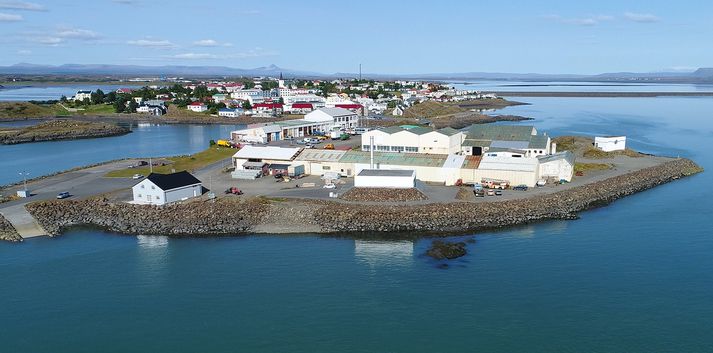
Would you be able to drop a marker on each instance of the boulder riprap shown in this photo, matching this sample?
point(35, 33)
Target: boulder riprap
point(7, 231)
point(232, 216)
point(383, 195)
point(441, 250)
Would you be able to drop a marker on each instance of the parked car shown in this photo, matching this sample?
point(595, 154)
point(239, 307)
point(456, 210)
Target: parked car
point(521, 187)
point(309, 145)
point(321, 138)
point(63, 195)
point(491, 193)
point(329, 146)
point(541, 182)
point(137, 176)
point(498, 193)
point(479, 193)
point(329, 186)
point(278, 176)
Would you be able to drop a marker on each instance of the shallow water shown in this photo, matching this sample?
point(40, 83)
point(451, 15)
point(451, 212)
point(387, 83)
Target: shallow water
point(635, 276)
point(41, 158)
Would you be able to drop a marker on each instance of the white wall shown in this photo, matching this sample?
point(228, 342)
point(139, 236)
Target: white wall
point(560, 169)
point(183, 193)
point(608, 144)
point(397, 182)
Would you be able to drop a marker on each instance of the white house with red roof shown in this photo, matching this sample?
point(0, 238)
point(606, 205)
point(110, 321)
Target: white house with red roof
point(197, 107)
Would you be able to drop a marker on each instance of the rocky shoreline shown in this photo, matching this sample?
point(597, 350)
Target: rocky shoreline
point(7, 231)
point(257, 215)
point(60, 130)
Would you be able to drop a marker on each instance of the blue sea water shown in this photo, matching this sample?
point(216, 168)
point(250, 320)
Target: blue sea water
point(635, 276)
point(42, 93)
point(145, 140)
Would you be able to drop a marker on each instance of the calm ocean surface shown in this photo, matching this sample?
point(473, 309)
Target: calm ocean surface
point(145, 140)
point(41, 93)
point(636, 276)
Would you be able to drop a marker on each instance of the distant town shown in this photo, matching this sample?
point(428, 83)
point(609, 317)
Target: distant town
point(272, 97)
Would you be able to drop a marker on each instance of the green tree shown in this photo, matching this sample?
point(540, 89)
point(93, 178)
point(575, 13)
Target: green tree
point(120, 105)
point(110, 97)
point(97, 97)
point(63, 99)
point(131, 108)
point(247, 105)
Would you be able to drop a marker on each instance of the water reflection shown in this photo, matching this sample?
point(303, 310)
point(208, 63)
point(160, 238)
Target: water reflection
point(152, 263)
point(384, 252)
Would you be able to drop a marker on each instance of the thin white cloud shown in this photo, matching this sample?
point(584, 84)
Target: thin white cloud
point(21, 5)
point(252, 53)
point(77, 33)
point(641, 17)
point(6, 17)
point(210, 43)
point(152, 43)
point(51, 41)
point(194, 56)
point(580, 21)
point(24, 52)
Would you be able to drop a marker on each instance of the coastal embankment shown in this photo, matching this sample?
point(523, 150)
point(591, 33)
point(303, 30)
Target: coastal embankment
point(7, 231)
point(60, 130)
point(600, 94)
point(272, 216)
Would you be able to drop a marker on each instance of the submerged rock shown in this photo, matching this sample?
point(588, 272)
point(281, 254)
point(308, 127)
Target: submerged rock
point(446, 250)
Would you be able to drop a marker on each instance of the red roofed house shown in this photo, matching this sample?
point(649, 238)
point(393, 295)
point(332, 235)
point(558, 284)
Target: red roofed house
point(356, 108)
point(268, 108)
point(124, 91)
point(301, 108)
point(197, 107)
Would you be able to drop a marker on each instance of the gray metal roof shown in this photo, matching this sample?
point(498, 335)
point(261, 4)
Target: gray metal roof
point(518, 145)
point(386, 172)
point(566, 155)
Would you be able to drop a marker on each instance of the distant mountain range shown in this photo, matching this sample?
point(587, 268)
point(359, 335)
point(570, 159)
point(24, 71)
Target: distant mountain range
point(702, 75)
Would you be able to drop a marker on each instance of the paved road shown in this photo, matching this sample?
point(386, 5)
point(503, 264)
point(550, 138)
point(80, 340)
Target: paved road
point(80, 184)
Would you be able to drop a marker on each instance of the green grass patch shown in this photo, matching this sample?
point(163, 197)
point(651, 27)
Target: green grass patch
point(588, 167)
point(179, 163)
point(24, 110)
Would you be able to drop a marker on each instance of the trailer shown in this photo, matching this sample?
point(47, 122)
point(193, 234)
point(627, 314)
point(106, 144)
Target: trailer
point(495, 183)
point(295, 170)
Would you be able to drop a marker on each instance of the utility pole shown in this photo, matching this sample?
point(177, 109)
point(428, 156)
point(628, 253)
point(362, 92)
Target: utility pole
point(24, 179)
point(360, 72)
point(150, 165)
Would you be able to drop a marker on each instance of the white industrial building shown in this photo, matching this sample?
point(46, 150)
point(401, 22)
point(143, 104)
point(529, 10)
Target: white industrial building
point(160, 189)
point(319, 121)
point(610, 143)
point(558, 166)
point(518, 155)
point(339, 117)
point(251, 162)
point(413, 140)
point(385, 178)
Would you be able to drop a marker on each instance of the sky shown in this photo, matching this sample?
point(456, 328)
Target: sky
point(388, 37)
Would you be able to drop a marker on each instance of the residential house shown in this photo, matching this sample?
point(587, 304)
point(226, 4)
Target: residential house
point(197, 107)
point(160, 189)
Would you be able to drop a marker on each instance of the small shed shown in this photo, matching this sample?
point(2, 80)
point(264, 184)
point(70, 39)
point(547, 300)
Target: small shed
point(610, 143)
point(385, 178)
point(276, 168)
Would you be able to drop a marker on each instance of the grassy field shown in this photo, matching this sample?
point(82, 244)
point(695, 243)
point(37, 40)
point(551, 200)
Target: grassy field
point(588, 167)
point(180, 163)
point(584, 146)
point(10, 110)
point(430, 109)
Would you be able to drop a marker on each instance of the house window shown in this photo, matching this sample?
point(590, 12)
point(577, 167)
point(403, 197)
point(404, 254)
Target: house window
point(157, 197)
point(365, 147)
point(411, 149)
point(153, 187)
point(142, 186)
point(397, 148)
point(326, 167)
point(139, 195)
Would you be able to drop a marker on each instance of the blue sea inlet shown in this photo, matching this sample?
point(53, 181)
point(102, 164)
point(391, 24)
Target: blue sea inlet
point(635, 276)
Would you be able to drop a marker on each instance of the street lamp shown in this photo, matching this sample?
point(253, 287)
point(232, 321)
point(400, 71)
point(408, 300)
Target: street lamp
point(24, 178)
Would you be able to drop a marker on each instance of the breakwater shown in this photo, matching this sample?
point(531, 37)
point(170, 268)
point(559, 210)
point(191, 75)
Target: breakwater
point(7, 231)
point(234, 216)
point(60, 130)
